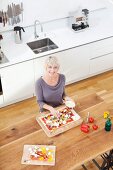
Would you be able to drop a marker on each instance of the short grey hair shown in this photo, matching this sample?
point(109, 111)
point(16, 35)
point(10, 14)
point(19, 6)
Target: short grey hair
point(52, 60)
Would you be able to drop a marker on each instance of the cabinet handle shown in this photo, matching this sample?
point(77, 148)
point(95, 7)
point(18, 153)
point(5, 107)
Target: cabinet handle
point(101, 56)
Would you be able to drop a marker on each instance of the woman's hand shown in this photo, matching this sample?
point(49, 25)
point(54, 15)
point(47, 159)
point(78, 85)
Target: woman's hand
point(67, 99)
point(50, 109)
point(53, 111)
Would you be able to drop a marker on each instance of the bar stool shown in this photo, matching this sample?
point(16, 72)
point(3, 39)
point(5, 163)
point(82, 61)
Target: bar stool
point(84, 167)
point(107, 161)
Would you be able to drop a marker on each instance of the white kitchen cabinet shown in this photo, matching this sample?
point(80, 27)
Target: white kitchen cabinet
point(102, 47)
point(39, 67)
point(17, 82)
point(74, 63)
point(101, 64)
point(1, 101)
point(101, 56)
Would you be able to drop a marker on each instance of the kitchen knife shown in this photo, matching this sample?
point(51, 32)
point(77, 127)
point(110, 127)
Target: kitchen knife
point(11, 14)
point(3, 19)
point(0, 19)
point(14, 14)
point(0, 16)
point(6, 18)
point(8, 14)
point(22, 10)
point(18, 12)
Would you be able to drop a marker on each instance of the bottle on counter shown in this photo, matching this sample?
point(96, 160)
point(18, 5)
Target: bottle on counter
point(108, 124)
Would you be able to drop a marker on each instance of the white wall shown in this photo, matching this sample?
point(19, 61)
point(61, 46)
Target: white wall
point(46, 10)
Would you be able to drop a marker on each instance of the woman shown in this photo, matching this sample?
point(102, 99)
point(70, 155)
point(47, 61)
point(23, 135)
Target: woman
point(50, 88)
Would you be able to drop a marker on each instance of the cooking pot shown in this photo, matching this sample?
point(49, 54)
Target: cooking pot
point(18, 34)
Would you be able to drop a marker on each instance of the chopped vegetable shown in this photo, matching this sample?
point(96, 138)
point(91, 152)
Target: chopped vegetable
point(42, 154)
point(64, 116)
point(95, 127)
point(91, 119)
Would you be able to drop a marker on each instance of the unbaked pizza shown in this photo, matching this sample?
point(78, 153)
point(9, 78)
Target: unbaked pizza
point(64, 116)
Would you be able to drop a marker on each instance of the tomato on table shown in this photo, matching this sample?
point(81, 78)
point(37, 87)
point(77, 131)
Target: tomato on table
point(85, 128)
point(95, 127)
point(91, 120)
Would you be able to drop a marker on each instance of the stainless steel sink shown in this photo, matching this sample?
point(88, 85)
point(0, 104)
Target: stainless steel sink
point(42, 45)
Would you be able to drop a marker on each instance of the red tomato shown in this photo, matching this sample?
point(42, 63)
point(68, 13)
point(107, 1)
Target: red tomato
point(95, 127)
point(86, 130)
point(91, 120)
point(69, 120)
point(85, 126)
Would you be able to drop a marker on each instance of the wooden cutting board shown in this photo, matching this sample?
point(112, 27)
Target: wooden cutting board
point(48, 150)
point(50, 133)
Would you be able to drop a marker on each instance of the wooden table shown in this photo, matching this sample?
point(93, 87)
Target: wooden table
point(73, 147)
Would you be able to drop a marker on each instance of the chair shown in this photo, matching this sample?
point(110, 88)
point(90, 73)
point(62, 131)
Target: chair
point(107, 161)
point(84, 167)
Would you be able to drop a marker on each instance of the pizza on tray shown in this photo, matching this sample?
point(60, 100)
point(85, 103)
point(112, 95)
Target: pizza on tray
point(64, 117)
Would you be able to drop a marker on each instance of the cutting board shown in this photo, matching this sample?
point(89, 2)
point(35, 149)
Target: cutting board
point(29, 150)
point(50, 133)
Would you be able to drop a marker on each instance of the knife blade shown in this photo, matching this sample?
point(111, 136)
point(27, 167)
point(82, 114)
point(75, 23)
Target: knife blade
point(3, 19)
point(18, 12)
point(22, 10)
point(11, 14)
point(6, 18)
point(8, 14)
point(0, 16)
point(14, 14)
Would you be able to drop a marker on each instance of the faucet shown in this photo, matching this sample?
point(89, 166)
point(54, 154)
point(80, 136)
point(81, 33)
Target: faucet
point(35, 32)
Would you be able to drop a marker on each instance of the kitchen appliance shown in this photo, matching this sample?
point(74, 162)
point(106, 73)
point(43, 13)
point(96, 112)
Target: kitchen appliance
point(18, 34)
point(81, 21)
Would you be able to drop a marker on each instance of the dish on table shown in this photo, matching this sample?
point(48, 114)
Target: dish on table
point(70, 104)
point(53, 125)
point(64, 116)
point(39, 155)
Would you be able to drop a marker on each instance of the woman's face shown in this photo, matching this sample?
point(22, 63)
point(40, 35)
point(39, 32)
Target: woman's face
point(52, 70)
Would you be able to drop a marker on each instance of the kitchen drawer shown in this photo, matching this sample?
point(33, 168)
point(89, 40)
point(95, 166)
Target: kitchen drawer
point(101, 64)
point(102, 47)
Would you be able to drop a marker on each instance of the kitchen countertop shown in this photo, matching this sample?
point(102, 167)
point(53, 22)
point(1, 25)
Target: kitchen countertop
point(100, 27)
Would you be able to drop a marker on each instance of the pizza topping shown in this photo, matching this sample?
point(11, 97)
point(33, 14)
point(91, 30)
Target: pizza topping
point(42, 154)
point(64, 116)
